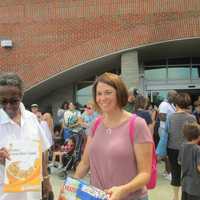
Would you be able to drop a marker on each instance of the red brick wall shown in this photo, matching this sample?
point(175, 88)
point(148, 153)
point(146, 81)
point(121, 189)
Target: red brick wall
point(50, 36)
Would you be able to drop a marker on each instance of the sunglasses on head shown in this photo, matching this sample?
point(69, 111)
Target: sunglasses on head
point(12, 101)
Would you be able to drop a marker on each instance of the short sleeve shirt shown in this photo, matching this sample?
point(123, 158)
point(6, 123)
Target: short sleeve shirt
point(174, 125)
point(112, 159)
point(145, 115)
point(167, 109)
point(189, 157)
point(29, 129)
point(71, 118)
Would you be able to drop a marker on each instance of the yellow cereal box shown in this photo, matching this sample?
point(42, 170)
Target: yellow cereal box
point(23, 170)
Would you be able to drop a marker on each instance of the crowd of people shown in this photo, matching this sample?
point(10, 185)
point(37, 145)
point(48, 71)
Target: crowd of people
point(101, 132)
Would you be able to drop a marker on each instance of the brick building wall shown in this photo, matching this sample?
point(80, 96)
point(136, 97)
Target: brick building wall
point(52, 36)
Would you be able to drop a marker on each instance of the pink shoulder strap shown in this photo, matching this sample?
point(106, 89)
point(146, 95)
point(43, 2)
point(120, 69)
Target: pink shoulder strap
point(96, 124)
point(132, 127)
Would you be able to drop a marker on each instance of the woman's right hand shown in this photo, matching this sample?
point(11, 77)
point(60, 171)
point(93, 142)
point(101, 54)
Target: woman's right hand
point(4, 154)
point(116, 193)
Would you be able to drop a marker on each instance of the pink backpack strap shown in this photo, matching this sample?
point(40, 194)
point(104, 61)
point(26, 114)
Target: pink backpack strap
point(132, 127)
point(153, 180)
point(96, 124)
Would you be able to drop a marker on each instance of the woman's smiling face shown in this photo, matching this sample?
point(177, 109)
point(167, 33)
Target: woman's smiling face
point(106, 97)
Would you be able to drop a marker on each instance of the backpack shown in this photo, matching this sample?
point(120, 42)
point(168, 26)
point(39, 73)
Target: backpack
point(153, 179)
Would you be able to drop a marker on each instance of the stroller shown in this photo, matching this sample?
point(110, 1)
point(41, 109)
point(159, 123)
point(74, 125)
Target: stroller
point(71, 160)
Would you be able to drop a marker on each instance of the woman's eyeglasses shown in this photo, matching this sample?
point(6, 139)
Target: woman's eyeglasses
point(89, 108)
point(12, 101)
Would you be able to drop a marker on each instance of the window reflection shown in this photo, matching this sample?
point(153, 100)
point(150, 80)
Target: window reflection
point(83, 95)
point(180, 73)
point(195, 71)
point(155, 73)
point(172, 69)
point(157, 96)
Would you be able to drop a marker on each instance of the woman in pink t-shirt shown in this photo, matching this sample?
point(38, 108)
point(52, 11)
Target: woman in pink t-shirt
point(117, 166)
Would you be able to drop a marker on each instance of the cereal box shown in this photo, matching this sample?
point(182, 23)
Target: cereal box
point(69, 189)
point(88, 192)
point(75, 189)
point(23, 170)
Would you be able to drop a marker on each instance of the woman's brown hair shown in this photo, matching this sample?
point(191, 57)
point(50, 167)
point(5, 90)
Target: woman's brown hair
point(141, 102)
point(116, 82)
point(183, 100)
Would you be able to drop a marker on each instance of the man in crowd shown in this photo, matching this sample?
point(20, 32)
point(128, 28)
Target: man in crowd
point(130, 106)
point(166, 108)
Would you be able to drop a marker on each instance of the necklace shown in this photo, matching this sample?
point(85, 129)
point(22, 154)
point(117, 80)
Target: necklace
point(114, 123)
point(108, 131)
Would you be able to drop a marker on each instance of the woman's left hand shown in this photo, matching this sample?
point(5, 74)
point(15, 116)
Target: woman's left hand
point(116, 193)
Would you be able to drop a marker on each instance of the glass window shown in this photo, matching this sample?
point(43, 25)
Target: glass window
point(195, 71)
point(84, 95)
point(155, 73)
point(159, 96)
point(178, 69)
point(178, 73)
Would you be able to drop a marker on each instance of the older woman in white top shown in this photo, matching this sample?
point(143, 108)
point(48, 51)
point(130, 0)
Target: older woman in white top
point(18, 123)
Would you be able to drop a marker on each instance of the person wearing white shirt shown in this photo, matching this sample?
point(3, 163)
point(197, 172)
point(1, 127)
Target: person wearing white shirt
point(166, 108)
point(17, 123)
point(72, 121)
point(45, 126)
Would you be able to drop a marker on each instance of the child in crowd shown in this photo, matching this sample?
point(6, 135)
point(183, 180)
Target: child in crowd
point(189, 158)
point(68, 148)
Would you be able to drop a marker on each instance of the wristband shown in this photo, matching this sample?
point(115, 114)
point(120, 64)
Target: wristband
point(45, 177)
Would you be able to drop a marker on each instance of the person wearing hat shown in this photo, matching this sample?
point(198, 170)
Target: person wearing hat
point(34, 108)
